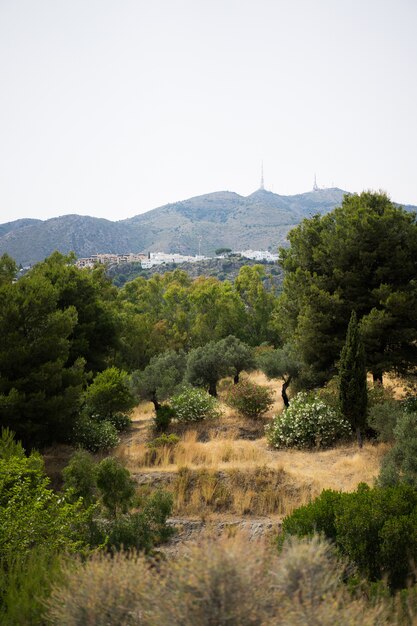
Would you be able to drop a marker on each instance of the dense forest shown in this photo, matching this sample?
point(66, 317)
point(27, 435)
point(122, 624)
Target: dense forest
point(79, 353)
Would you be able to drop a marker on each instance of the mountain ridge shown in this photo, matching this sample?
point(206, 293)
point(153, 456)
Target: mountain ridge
point(260, 220)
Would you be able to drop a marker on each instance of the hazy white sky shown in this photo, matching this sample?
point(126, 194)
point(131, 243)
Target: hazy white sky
point(113, 107)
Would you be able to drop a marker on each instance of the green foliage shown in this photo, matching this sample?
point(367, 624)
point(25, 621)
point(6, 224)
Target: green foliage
point(250, 399)
point(108, 395)
point(8, 269)
point(120, 421)
point(80, 477)
point(280, 363)
point(308, 422)
point(91, 295)
point(206, 366)
point(352, 379)
point(116, 486)
point(110, 487)
point(145, 529)
point(362, 256)
point(25, 584)
point(95, 435)
point(399, 465)
point(163, 440)
point(259, 304)
point(238, 356)
point(193, 405)
point(39, 390)
point(36, 526)
point(375, 528)
point(383, 417)
point(163, 417)
point(160, 378)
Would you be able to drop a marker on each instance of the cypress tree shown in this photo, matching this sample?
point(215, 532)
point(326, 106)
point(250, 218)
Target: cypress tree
point(352, 372)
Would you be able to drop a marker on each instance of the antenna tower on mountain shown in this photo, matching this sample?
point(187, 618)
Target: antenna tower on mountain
point(315, 186)
point(262, 186)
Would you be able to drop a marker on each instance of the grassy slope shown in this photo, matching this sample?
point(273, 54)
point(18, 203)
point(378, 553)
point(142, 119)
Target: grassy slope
point(222, 473)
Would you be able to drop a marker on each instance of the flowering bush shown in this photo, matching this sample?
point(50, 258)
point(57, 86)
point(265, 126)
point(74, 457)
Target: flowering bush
point(250, 399)
point(194, 404)
point(308, 422)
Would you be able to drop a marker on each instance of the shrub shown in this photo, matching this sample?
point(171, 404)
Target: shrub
point(375, 528)
point(80, 477)
point(213, 583)
point(120, 421)
point(116, 485)
point(109, 394)
point(400, 463)
point(383, 417)
point(194, 404)
point(250, 399)
point(306, 423)
point(144, 529)
point(95, 436)
point(163, 417)
point(164, 440)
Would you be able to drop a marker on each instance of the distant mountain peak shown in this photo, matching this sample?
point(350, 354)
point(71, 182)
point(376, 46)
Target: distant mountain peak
point(260, 221)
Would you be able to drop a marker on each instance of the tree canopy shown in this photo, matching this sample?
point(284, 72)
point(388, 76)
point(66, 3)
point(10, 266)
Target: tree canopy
point(360, 257)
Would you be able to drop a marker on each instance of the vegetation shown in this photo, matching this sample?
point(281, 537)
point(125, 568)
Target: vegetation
point(193, 405)
point(307, 423)
point(76, 355)
point(353, 392)
point(360, 257)
point(374, 527)
point(250, 399)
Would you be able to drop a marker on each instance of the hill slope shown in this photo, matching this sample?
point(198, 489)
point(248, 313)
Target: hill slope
point(221, 219)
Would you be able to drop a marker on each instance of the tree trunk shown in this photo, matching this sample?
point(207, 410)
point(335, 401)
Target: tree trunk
point(213, 389)
point(359, 436)
point(154, 399)
point(236, 378)
point(377, 376)
point(284, 391)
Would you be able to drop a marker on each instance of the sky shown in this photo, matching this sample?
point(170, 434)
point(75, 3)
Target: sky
point(111, 108)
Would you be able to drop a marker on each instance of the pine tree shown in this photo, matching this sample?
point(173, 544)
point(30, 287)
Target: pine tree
point(352, 373)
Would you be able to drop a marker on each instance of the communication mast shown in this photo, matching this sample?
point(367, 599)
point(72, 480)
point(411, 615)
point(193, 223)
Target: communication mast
point(315, 186)
point(262, 186)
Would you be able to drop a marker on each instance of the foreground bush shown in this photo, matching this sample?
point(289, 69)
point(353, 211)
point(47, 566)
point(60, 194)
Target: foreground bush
point(230, 582)
point(308, 422)
point(250, 399)
point(375, 528)
point(194, 404)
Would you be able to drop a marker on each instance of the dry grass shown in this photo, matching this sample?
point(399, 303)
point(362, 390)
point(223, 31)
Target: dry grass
point(214, 470)
point(339, 468)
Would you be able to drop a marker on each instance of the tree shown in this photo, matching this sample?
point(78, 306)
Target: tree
point(238, 356)
point(280, 363)
point(160, 378)
point(206, 366)
point(362, 256)
point(353, 393)
point(259, 304)
point(109, 394)
point(90, 293)
point(116, 485)
point(40, 389)
point(8, 269)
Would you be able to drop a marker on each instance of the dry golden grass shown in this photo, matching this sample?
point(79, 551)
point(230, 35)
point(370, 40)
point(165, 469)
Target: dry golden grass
point(225, 465)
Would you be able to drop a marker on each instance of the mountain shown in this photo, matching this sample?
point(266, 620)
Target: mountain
point(221, 219)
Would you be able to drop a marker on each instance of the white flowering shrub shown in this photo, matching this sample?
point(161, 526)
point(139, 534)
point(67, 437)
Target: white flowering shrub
point(307, 423)
point(194, 404)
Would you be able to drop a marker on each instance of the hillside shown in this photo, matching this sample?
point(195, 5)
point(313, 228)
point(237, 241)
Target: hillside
point(221, 219)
